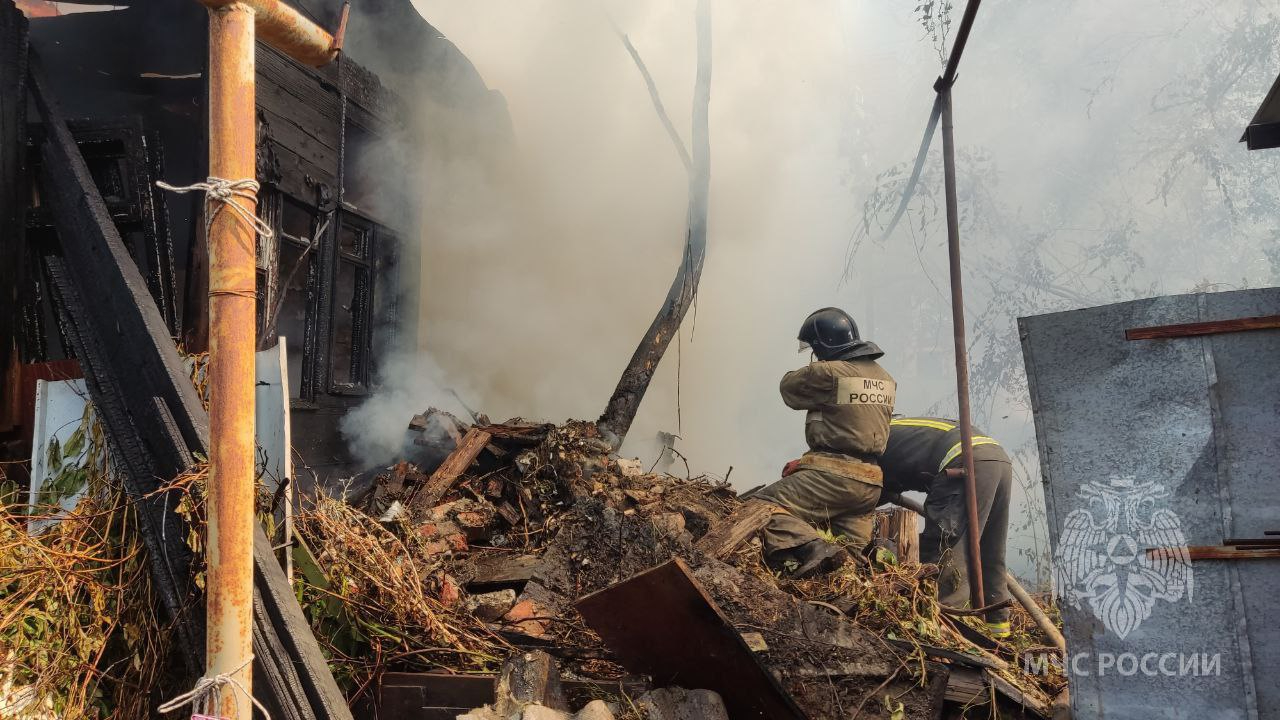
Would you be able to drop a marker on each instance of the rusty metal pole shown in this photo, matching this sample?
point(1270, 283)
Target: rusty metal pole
point(232, 300)
point(231, 212)
point(234, 27)
point(976, 594)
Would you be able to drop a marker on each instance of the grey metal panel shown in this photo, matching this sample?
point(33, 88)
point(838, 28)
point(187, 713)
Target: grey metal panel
point(1248, 391)
point(1200, 416)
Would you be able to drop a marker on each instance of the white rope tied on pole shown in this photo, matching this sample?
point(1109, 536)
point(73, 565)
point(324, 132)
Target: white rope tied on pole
point(225, 193)
point(205, 699)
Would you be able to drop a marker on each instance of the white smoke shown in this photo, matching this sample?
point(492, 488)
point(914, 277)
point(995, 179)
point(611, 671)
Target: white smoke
point(1098, 160)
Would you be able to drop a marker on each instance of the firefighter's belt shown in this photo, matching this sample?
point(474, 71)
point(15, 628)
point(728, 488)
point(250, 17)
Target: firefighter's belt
point(844, 467)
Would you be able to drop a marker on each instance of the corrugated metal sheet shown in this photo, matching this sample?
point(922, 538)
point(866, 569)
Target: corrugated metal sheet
point(1141, 441)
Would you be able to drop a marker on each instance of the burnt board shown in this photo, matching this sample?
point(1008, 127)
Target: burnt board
point(663, 624)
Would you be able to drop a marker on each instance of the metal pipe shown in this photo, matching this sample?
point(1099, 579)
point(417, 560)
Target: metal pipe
point(286, 30)
point(976, 594)
point(232, 300)
point(234, 28)
point(962, 39)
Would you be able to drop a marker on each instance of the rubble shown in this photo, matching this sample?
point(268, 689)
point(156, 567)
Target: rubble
point(679, 704)
point(543, 556)
point(491, 605)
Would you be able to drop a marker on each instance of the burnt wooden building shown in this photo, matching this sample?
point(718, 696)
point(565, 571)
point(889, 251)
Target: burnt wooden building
point(338, 162)
point(103, 274)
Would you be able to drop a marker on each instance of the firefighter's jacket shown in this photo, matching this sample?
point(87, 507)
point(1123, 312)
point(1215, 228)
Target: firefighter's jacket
point(849, 404)
point(919, 448)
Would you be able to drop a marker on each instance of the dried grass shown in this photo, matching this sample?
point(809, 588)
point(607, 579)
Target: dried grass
point(376, 604)
point(79, 636)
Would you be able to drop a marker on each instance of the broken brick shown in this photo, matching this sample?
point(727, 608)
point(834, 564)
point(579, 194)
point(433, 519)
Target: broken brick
point(450, 592)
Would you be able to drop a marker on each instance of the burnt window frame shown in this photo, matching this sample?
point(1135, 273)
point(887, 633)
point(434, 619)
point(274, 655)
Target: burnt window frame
point(377, 305)
point(362, 310)
point(134, 156)
point(271, 205)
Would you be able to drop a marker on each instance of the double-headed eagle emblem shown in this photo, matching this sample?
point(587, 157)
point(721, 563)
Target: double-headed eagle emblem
point(1103, 557)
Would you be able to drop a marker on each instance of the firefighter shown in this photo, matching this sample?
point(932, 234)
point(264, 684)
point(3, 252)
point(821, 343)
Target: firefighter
point(920, 451)
point(836, 485)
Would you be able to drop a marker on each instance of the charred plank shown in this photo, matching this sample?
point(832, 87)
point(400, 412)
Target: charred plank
point(445, 476)
point(727, 535)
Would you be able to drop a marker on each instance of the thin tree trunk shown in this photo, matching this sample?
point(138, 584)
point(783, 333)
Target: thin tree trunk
point(622, 407)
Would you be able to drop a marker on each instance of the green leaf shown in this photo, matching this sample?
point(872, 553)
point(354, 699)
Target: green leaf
point(53, 455)
point(75, 444)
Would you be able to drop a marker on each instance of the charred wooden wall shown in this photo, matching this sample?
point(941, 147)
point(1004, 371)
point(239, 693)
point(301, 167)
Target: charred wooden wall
point(339, 281)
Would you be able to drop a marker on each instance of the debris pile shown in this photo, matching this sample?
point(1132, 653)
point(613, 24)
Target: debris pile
point(505, 542)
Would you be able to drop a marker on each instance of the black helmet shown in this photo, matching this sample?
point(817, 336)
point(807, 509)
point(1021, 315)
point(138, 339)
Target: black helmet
point(832, 334)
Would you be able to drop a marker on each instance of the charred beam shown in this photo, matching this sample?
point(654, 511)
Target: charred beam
point(13, 141)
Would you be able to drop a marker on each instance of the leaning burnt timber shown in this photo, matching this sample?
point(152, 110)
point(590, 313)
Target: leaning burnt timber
point(156, 425)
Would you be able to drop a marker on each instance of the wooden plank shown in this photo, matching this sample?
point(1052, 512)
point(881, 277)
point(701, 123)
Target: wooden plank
point(955, 656)
point(966, 686)
point(495, 572)
point(725, 536)
point(662, 623)
point(970, 687)
point(1032, 700)
point(443, 479)
point(295, 175)
point(1253, 542)
point(286, 132)
point(1212, 327)
point(518, 434)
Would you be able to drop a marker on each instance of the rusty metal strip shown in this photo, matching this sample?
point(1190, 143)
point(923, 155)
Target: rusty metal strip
point(1212, 327)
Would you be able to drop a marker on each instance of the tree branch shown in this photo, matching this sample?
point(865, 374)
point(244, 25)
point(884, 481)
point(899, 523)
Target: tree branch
point(622, 407)
point(658, 107)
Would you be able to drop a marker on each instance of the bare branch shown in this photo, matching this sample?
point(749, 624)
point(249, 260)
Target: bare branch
point(658, 107)
point(621, 410)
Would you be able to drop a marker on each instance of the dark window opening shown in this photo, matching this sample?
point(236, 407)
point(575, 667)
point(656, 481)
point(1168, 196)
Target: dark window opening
point(297, 221)
point(291, 323)
point(352, 291)
point(109, 165)
point(287, 277)
point(124, 160)
point(386, 298)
